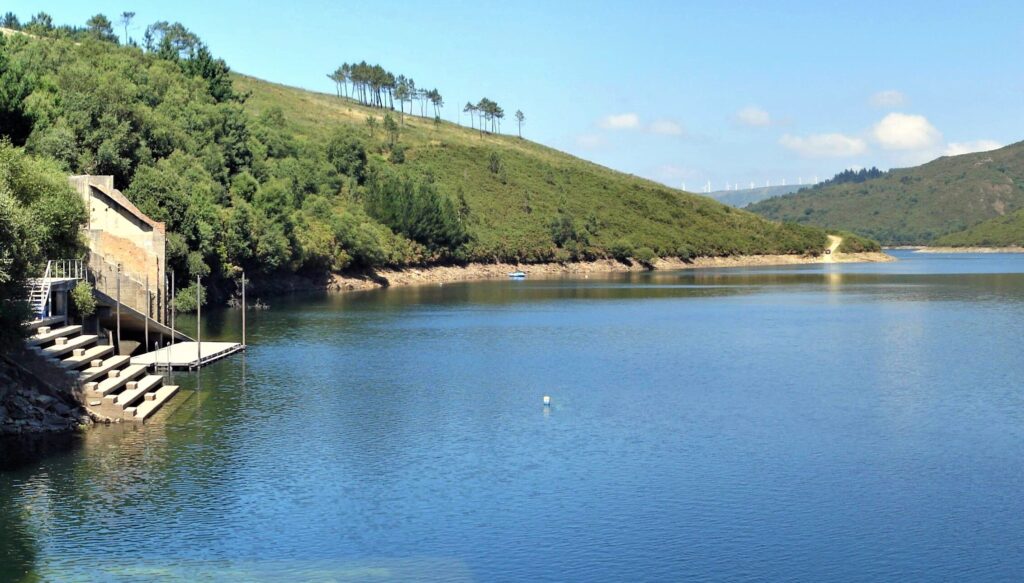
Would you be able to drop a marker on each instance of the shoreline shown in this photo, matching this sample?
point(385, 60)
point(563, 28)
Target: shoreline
point(442, 274)
point(968, 249)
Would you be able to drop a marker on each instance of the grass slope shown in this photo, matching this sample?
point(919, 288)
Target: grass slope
point(913, 205)
point(511, 210)
point(1004, 231)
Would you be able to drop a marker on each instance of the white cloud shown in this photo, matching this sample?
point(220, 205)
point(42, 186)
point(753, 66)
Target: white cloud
point(753, 116)
point(621, 121)
point(900, 131)
point(957, 148)
point(824, 145)
point(888, 98)
point(666, 127)
point(590, 141)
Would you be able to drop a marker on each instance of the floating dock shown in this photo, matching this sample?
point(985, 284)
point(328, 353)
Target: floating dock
point(188, 355)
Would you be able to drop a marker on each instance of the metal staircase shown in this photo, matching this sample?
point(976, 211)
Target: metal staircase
point(40, 287)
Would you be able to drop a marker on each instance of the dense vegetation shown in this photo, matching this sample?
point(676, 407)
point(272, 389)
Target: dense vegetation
point(854, 243)
point(850, 176)
point(913, 205)
point(40, 217)
point(275, 180)
point(1004, 231)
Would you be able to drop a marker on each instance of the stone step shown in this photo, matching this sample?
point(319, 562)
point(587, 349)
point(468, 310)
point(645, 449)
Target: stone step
point(87, 356)
point(70, 345)
point(95, 372)
point(35, 325)
point(150, 405)
point(136, 390)
point(51, 334)
point(115, 383)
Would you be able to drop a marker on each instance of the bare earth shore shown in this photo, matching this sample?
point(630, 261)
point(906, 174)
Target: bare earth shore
point(969, 249)
point(481, 271)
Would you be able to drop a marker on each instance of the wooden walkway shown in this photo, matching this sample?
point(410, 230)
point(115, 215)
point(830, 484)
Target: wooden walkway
point(187, 355)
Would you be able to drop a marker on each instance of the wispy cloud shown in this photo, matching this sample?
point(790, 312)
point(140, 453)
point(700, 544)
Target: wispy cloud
point(900, 131)
point(888, 98)
point(824, 145)
point(590, 141)
point(620, 121)
point(753, 116)
point(957, 148)
point(666, 127)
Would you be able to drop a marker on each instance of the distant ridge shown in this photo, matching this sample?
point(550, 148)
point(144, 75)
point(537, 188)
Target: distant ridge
point(919, 205)
point(744, 196)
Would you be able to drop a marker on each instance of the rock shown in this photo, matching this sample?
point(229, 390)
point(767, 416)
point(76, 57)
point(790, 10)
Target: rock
point(61, 409)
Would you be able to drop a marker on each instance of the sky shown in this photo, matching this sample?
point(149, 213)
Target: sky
point(679, 92)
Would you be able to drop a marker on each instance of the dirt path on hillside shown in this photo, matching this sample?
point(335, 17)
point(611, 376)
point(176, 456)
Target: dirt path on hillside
point(834, 243)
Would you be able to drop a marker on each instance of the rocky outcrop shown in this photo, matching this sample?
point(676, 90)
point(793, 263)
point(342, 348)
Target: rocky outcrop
point(37, 397)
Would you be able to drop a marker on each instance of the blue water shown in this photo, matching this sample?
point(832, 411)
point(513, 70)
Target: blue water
point(826, 422)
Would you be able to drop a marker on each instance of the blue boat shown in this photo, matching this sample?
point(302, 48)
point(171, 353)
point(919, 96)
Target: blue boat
point(518, 275)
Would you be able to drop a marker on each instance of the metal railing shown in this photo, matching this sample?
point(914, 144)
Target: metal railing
point(65, 269)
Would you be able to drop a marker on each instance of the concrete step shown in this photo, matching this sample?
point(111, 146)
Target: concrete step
point(151, 404)
point(116, 383)
point(67, 347)
point(96, 372)
point(132, 393)
point(45, 335)
point(87, 356)
point(35, 325)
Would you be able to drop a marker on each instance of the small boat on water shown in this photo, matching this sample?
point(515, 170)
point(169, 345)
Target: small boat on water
point(518, 275)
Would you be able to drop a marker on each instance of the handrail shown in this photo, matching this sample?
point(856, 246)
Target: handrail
point(65, 269)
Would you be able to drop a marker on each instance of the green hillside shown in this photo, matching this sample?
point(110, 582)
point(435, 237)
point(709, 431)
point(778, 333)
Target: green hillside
point(278, 181)
point(1004, 231)
point(512, 207)
point(913, 205)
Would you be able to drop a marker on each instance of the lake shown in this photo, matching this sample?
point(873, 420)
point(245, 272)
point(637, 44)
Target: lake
point(819, 422)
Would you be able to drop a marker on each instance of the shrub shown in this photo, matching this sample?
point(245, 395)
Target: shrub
point(494, 163)
point(82, 300)
point(646, 257)
point(398, 154)
point(622, 250)
point(185, 299)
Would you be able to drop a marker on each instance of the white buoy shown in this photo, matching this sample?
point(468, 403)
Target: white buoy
point(547, 401)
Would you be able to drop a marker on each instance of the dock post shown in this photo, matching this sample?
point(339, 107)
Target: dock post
point(172, 308)
point(148, 302)
point(199, 323)
point(118, 307)
point(243, 310)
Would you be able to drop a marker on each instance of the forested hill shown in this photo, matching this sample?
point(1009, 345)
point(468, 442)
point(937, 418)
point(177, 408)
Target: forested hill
point(275, 180)
point(913, 205)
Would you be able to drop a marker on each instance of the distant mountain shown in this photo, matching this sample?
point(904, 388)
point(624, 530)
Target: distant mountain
point(743, 197)
point(913, 205)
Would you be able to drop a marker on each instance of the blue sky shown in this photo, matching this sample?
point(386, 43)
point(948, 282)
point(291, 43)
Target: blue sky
point(696, 91)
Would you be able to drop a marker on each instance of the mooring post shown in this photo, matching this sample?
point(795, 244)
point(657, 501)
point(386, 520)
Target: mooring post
point(172, 308)
point(148, 302)
point(199, 323)
point(118, 307)
point(243, 310)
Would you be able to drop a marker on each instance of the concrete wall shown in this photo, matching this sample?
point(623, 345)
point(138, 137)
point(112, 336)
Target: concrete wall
point(119, 234)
